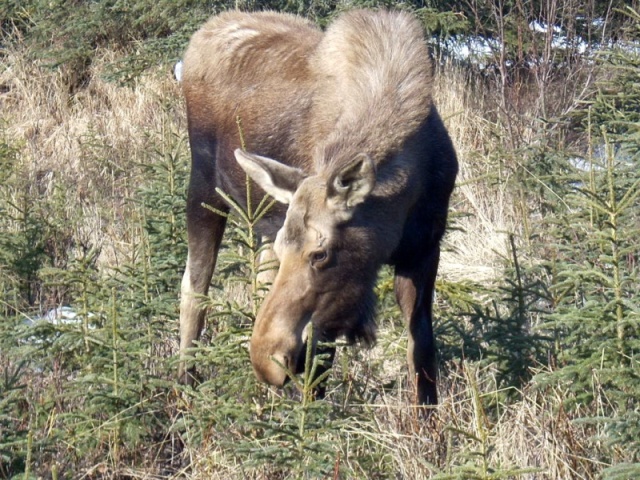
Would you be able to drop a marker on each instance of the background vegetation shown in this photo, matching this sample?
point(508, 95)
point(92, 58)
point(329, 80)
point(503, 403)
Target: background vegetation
point(537, 300)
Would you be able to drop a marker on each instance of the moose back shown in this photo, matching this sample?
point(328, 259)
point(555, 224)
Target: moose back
point(340, 128)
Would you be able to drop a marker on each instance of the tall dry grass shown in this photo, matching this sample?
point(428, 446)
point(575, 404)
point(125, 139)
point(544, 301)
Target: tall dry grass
point(92, 142)
point(475, 249)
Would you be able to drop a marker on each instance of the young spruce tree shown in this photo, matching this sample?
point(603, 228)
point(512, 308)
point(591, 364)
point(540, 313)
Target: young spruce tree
point(596, 281)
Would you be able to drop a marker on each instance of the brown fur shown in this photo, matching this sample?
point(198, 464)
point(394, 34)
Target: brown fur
point(361, 157)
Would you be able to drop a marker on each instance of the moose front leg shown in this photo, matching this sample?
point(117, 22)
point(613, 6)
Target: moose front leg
point(414, 292)
point(205, 229)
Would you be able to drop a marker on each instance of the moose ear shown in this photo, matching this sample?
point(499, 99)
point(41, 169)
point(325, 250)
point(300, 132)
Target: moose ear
point(277, 179)
point(351, 185)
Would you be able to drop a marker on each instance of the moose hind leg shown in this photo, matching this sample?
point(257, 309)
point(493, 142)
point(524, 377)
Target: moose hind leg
point(414, 288)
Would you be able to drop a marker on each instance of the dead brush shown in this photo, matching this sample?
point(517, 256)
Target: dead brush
point(90, 142)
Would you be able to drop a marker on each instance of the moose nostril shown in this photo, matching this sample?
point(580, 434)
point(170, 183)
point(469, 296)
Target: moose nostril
point(275, 371)
point(286, 361)
point(281, 361)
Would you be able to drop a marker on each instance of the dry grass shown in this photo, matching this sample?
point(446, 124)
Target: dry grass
point(474, 250)
point(90, 142)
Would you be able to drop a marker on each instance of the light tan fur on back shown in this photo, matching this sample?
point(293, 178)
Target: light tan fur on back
point(368, 80)
point(229, 44)
point(255, 68)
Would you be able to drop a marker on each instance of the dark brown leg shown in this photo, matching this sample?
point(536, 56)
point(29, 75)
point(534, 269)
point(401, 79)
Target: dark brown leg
point(204, 242)
point(204, 229)
point(414, 292)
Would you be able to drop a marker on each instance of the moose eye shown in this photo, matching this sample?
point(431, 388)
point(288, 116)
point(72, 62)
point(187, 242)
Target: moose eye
point(342, 184)
point(318, 258)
